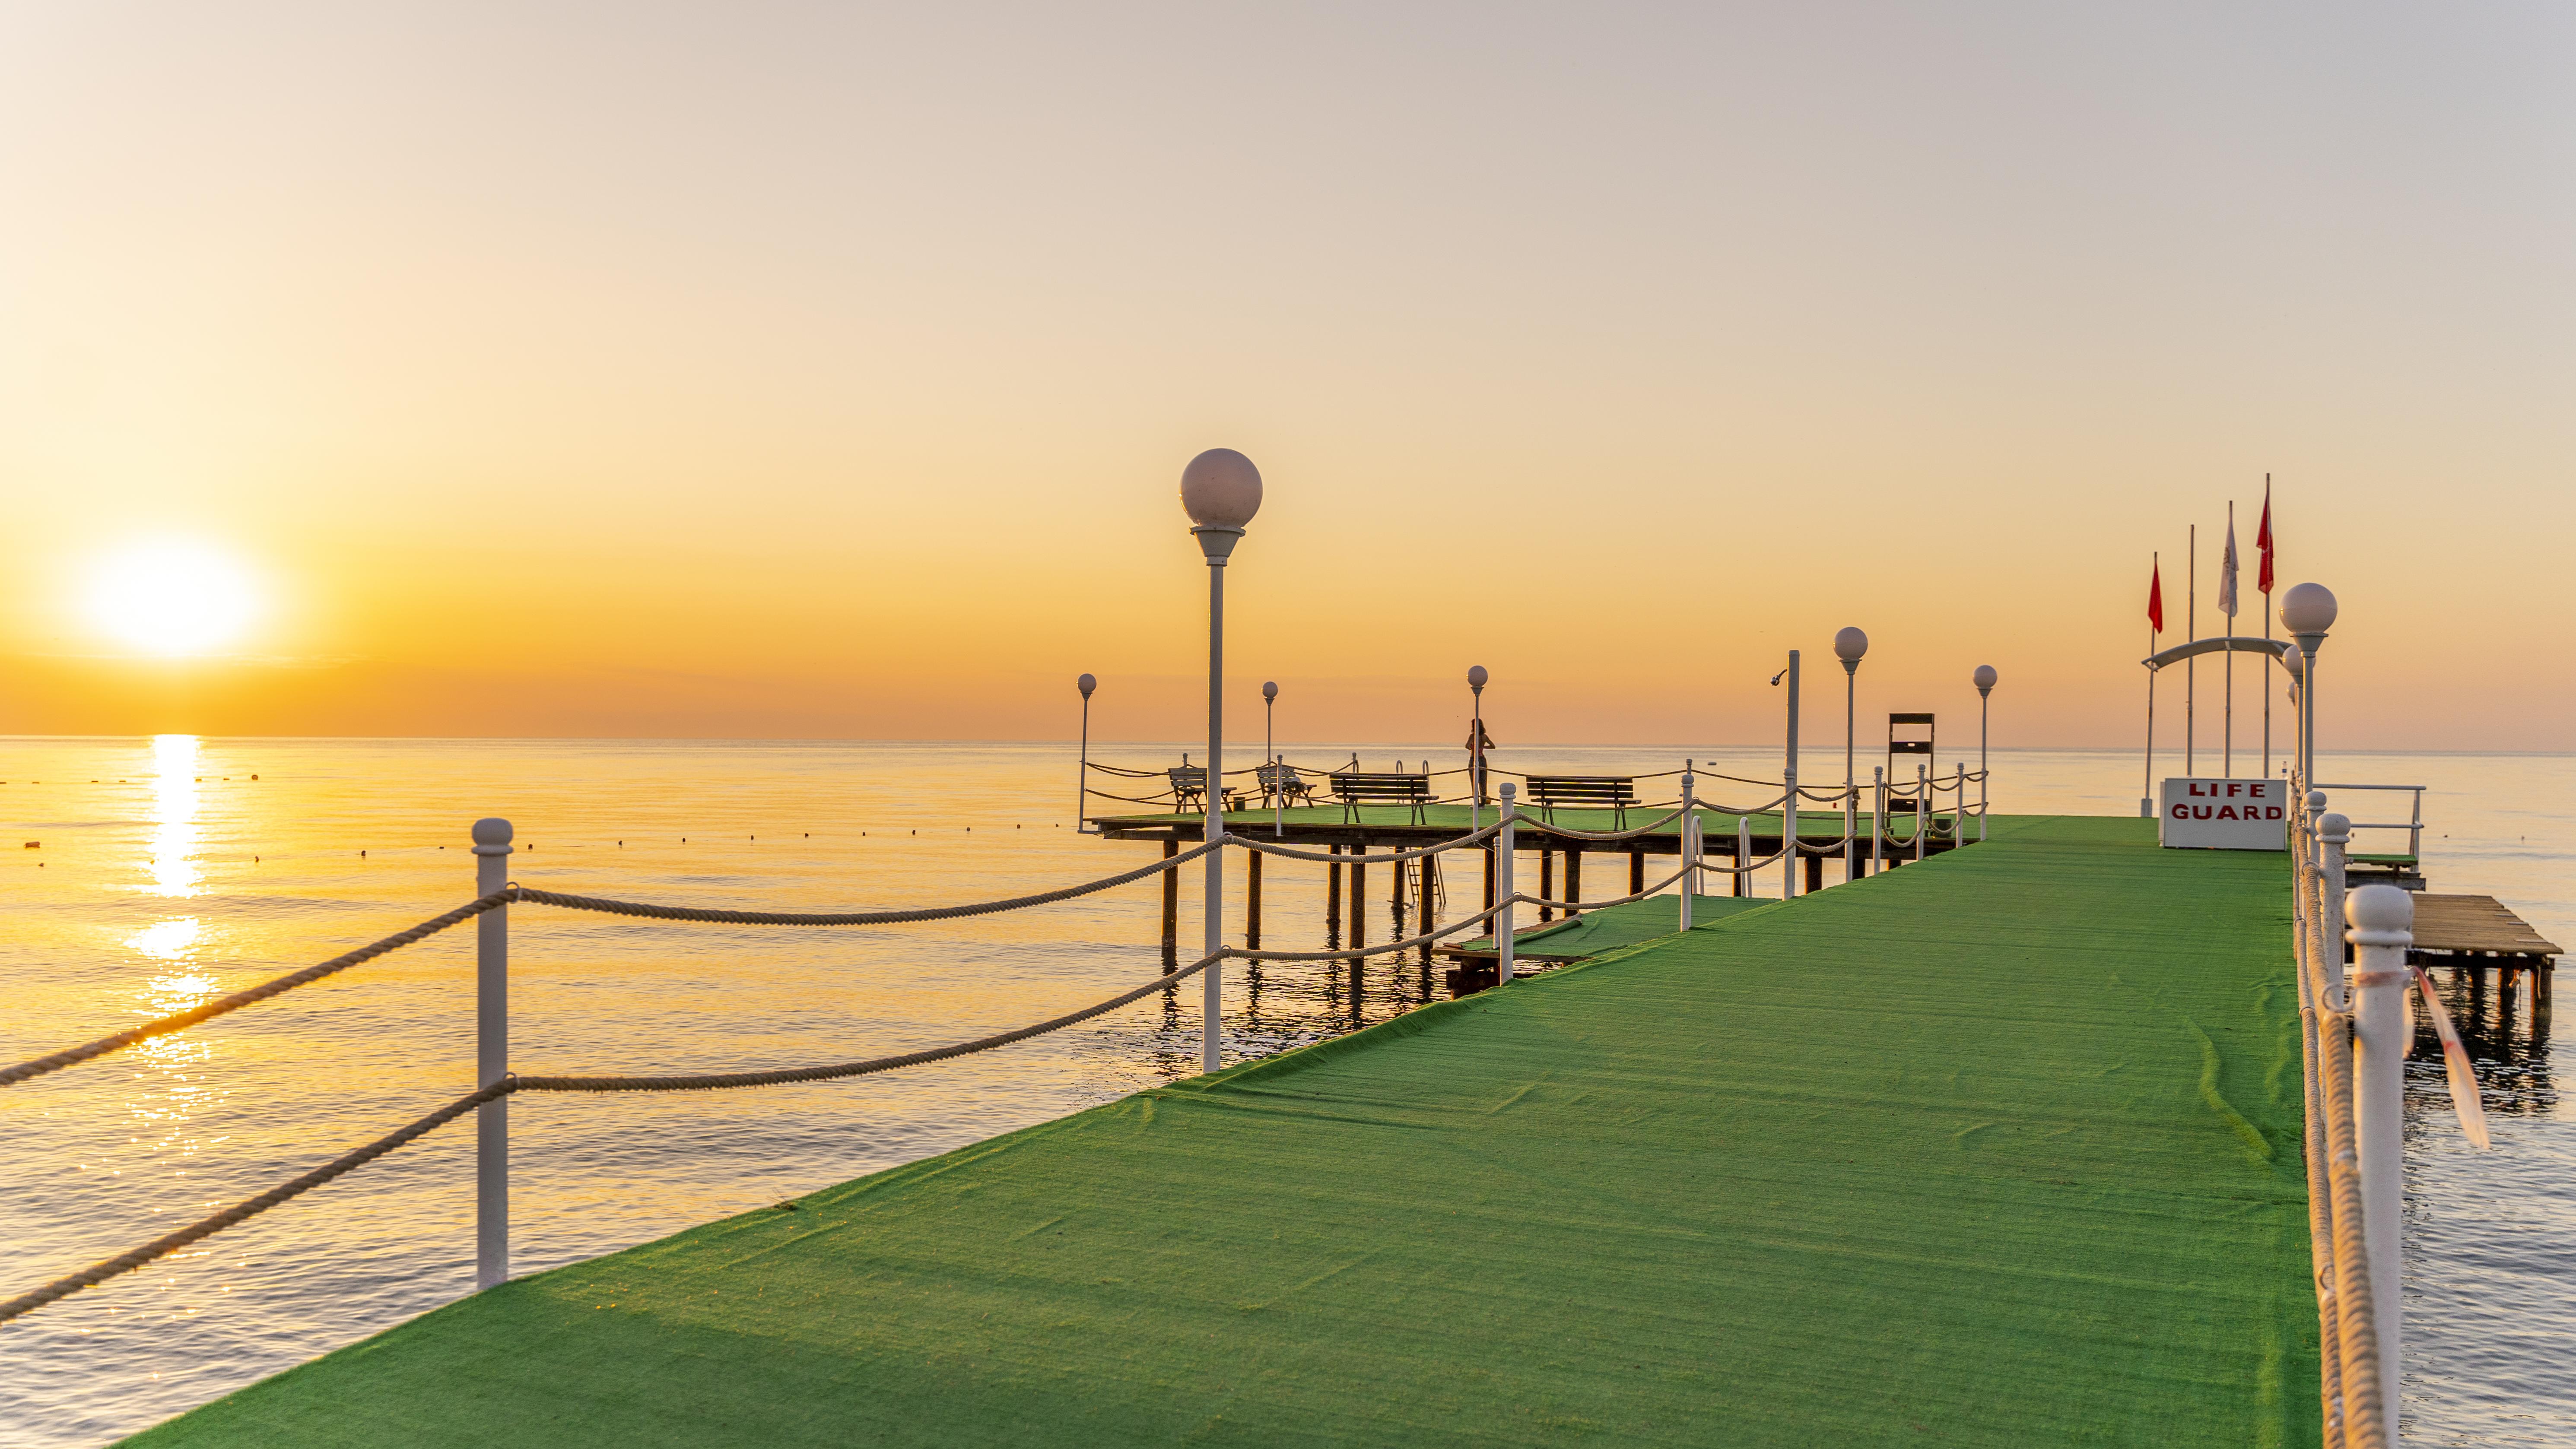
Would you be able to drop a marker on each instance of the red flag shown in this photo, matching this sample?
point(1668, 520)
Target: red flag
point(2156, 598)
point(2263, 540)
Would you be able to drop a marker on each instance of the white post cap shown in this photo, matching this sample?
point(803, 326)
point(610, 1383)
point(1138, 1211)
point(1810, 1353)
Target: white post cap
point(492, 836)
point(2380, 915)
point(2334, 826)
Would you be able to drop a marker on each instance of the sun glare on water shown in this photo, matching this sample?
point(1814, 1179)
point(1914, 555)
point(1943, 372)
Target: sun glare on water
point(172, 597)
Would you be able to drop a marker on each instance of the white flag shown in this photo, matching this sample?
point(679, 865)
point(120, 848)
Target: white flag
point(2227, 574)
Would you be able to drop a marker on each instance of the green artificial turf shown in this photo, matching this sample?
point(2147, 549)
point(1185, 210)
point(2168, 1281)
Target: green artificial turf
point(2000, 1149)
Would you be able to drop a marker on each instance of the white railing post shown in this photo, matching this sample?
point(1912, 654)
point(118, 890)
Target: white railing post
point(1690, 849)
point(1959, 805)
point(1789, 787)
point(1743, 855)
point(1877, 818)
point(491, 1057)
point(2382, 918)
point(1851, 832)
point(1922, 807)
point(1501, 925)
point(2334, 834)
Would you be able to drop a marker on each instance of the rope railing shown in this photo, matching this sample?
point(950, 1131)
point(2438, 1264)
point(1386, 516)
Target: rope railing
point(251, 1207)
point(1349, 953)
point(1531, 822)
point(180, 1021)
point(1393, 856)
point(1655, 889)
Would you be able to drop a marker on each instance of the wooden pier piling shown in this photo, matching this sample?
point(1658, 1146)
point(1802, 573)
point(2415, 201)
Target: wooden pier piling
point(1573, 880)
point(1546, 882)
point(1252, 900)
point(1171, 909)
point(1636, 871)
point(1333, 897)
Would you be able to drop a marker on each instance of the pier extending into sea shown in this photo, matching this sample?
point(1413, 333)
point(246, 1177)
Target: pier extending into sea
point(2003, 1149)
point(2006, 1146)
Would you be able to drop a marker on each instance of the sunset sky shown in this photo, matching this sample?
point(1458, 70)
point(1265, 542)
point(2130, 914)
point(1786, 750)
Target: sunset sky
point(820, 370)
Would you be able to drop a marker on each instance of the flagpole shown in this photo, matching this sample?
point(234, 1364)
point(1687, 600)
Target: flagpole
point(2191, 666)
point(2147, 801)
point(2227, 729)
point(2264, 580)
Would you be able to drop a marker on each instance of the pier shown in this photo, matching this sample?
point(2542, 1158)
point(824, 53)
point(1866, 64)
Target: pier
point(2004, 1149)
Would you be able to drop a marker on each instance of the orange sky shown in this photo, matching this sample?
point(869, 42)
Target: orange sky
point(802, 371)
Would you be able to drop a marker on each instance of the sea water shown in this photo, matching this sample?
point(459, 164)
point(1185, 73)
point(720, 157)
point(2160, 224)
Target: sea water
point(167, 871)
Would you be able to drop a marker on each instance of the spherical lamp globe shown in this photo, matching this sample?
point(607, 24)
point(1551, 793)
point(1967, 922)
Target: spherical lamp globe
point(1221, 489)
point(1270, 689)
point(2308, 609)
point(1985, 677)
point(1086, 684)
point(1850, 644)
point(1476, 676)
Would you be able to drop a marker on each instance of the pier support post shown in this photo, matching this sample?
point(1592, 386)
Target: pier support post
point(1171, 907)
point(1501, 925)
point(1636, 871)
point(1333, 897)
point(2382, 919)
point(1573, 879)
point(1488, 853)
point(1252, 900)
point(1359, 900)
point(1815, 872)
point(491, 1057)
point(1546, 882)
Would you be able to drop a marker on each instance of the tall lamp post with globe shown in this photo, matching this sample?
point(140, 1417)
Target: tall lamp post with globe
point(1221, 491)
point(1271, 776)
point(1985, 682)
point(1082, 780)
point(1849, 645)
point(1476, 678)
point(2309, 611)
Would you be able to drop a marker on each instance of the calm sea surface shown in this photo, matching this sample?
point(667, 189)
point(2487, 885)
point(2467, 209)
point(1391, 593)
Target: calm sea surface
point(167, 874)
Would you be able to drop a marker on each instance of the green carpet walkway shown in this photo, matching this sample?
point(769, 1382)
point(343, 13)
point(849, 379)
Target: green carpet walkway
point(1997, 1149)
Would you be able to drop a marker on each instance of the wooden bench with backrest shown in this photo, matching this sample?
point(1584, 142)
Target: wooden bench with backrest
point(1614, 792)
point(1189, 790)
point(1354, 789)
point(1282, 783)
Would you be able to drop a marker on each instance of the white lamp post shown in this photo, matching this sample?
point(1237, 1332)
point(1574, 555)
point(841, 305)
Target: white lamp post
point(1220, 490)
point(1476, 678)
point(2294, 659)
point(2308, 610)
point(1082, 774)
point(1985, 682)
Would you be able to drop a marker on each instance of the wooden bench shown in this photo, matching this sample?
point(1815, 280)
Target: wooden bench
point(1355, 789)
point(1283, 783)
point(1189, 790)
point(1616, 792)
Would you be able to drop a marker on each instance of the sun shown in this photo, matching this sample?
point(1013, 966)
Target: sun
point(172, 597)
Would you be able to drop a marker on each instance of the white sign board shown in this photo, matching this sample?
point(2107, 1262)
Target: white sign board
point(2201, 814)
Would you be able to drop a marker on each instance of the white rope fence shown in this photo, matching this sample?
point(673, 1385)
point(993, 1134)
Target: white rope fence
point(490, 910)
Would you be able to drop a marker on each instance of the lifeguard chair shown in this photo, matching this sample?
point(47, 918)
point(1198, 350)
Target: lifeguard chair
point(1901, 741)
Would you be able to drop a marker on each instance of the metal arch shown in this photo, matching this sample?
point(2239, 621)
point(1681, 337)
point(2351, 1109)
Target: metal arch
point(2218, 644)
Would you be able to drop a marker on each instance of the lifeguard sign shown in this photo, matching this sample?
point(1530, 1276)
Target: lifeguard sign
point(2201, 814)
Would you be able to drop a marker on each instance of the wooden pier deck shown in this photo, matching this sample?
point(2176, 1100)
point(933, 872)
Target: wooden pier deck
point(2011, 1158)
